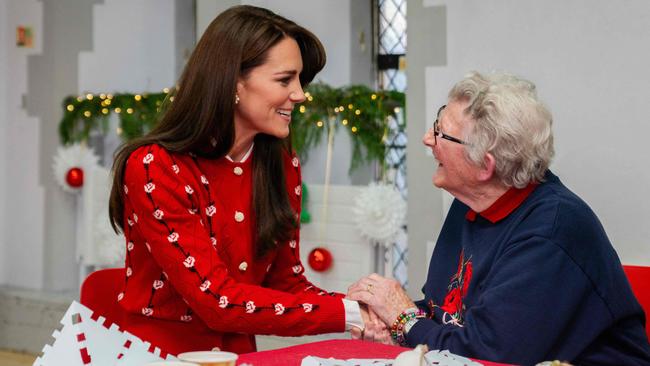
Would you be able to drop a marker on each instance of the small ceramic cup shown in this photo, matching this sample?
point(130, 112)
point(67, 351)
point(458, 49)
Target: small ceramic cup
point(209, 358)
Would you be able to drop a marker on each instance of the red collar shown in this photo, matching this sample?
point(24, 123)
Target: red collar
point(504, 205)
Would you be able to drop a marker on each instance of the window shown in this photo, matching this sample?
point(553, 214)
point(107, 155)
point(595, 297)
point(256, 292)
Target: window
point(390, 25)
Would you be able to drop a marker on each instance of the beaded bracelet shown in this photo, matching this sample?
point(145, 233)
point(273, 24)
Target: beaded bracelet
point(397, 329)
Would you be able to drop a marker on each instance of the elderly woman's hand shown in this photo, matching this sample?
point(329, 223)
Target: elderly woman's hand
point(380, 331)
point(375, 329)
point(384, 296)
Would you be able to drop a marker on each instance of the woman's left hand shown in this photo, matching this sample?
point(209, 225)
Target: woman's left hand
point(384, 296)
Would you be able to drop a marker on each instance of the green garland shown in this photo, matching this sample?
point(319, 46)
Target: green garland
point(362, 111)
point(138, 113)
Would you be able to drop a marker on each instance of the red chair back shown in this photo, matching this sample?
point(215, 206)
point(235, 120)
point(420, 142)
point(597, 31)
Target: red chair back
point(99, 293)
point(639, 278)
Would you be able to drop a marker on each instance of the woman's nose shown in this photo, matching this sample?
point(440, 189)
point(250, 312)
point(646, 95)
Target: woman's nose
point(297, 95)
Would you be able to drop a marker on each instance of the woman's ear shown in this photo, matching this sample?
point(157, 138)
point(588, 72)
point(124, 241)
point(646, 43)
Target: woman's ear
point(240, 86)
point(486, 172)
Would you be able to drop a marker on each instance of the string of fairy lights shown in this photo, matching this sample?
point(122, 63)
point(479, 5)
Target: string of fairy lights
point(339, 109)
point(363, 112)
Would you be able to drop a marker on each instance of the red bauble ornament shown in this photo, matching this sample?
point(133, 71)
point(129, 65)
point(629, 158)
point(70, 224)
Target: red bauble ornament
point(75, 177)
point(320, 259)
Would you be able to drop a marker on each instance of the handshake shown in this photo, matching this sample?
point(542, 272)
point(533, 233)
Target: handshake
point(382, 302)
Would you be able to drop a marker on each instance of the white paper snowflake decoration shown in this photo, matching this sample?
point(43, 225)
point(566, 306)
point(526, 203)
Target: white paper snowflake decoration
point(68, 348)
point(69, 164)
point(83, 341)
point(379, 212)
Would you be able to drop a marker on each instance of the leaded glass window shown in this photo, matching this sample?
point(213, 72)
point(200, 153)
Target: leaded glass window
point(391, 49)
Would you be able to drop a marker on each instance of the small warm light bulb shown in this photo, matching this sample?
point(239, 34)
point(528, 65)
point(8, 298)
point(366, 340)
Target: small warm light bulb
point(373, 97)
point(397, 109)
point(118, 110)
point(87, 113)
point(166, 90)
point(89, 96)
point(129, 110)
point(80, 98)
point(344, 122)
point(357, 112)
point(302, 109)
point(109, 96)
point(319, 123)
point(336, 110)
point(354, 129)
point(102, 96)
point(105, 110)
point(107, 102)
point(118, 131)
point(310, 98)
point(70, 108)
point(171, 99)
point(137, 97)
point(350, 106)
point(307, 95)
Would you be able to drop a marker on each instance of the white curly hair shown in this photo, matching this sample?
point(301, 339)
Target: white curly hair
point(510, 122)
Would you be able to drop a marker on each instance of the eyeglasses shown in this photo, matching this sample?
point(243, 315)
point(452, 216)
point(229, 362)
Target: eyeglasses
point(437, 133)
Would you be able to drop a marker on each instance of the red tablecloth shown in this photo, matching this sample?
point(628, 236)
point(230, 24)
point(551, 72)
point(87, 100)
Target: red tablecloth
point(341, 349)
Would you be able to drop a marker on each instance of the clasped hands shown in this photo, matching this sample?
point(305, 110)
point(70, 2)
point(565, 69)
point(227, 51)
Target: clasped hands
point(381, 300)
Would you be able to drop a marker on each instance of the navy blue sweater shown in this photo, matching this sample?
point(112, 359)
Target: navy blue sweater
point(541, 283)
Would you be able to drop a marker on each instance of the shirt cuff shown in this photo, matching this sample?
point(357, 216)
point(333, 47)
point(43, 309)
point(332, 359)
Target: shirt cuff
point(352, 315)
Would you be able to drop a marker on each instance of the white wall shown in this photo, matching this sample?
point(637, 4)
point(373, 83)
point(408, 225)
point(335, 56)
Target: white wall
point(22, 238)
point(207, 10)
point(133, 47)
point(4, 40)
point(590, 61)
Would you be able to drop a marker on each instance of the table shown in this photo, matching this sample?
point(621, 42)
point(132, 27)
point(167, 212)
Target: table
point(337, 348)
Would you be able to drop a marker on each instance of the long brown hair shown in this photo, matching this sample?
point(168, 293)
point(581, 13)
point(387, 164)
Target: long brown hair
point(236, 41)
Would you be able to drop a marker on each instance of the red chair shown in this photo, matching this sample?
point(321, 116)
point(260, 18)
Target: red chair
point(639, 278)
point(99, 293)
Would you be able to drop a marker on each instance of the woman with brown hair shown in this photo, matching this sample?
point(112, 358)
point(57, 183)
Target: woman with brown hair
point(209, 200)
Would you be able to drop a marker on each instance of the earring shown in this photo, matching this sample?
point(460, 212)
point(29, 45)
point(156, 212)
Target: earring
point(236, 99)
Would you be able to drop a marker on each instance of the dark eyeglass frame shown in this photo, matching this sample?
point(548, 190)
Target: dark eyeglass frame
point(437, 133)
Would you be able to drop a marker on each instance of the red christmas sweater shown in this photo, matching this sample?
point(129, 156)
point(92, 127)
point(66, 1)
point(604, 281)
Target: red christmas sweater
point(192, 278)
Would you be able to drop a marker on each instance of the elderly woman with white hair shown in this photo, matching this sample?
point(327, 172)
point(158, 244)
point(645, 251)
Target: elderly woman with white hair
point(522, 270)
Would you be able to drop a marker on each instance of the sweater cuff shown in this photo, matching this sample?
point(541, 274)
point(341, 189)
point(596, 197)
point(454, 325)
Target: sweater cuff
point(421, 331)
point(330, 314)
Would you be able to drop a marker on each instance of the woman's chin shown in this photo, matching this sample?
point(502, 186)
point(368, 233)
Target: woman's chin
point(438, 178)
point(282, 133)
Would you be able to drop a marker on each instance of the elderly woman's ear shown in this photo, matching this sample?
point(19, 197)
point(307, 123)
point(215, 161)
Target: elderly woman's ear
point(487, 170)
